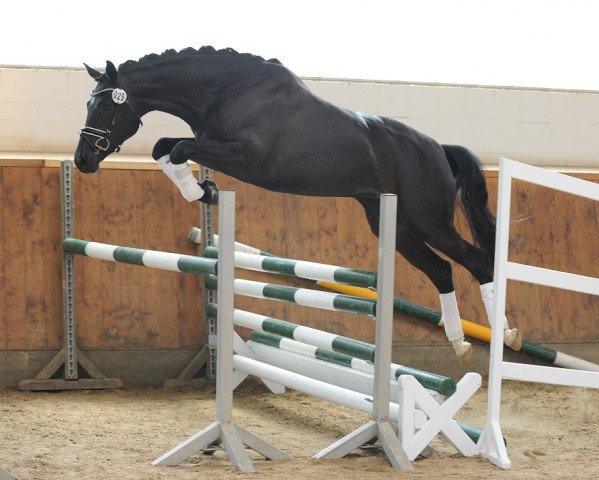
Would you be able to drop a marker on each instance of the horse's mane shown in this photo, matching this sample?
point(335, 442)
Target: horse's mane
point(190, 51)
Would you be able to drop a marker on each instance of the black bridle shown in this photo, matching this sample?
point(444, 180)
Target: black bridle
point(119, 97)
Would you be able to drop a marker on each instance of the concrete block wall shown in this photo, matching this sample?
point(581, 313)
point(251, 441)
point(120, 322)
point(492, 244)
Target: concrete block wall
point(540, 127)
point(42, 109)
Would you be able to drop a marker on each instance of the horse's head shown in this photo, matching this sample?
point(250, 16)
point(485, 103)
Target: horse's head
point(111, 119)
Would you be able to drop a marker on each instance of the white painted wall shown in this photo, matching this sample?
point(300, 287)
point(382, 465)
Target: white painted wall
point(41, 110)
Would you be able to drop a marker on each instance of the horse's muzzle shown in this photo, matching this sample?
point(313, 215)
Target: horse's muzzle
point(88, 165)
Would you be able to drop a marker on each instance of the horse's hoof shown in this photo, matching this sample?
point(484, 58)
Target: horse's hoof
point(463, 350)
point(513, 338)
point(210, 196)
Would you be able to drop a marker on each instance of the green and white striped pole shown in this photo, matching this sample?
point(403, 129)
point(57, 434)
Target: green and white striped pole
point(311, 336)
point(444, 385)
point(300, 268)
point(330, 347)
point(301, 296)
point(146, 258)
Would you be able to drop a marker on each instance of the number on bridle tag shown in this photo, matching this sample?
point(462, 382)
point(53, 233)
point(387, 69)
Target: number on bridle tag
point(119, 96)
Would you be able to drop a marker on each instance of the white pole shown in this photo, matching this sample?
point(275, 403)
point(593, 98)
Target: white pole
point(316, 388)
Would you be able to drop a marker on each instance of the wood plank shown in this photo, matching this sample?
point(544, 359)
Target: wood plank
point(16, 289)
point(121, 308)
point(5, 324)
point(171, 297)
point(574, 309)
point(89, 289)
point(525, 306)
point(33, 256)
point(50, 240)
point(59, 384)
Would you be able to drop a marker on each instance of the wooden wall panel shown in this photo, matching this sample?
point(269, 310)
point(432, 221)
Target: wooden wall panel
point(128, 307)
point(30, 266)
point(558, 231)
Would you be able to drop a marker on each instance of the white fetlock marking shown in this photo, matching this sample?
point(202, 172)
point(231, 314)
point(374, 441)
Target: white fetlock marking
point(487, 293)
point(511, 336)
point(167, 167)
point(451, 316)
point(187, 183)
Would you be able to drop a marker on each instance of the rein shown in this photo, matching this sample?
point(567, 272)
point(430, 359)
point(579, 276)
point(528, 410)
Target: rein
point(119, 97)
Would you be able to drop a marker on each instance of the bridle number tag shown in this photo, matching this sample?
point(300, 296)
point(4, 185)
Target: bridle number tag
point(119, 96)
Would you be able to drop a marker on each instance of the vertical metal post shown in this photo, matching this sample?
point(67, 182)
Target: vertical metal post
point(69, 357)
point(209, 295)
point(225, 294)
point(223, 430)
point(379, 426)
point(384, 306)
point(68, 274)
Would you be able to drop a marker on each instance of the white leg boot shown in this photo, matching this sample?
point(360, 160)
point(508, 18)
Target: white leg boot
point(511, 336)
point(453, 326)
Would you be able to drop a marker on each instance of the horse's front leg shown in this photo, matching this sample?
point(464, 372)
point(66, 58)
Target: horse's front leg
point(210, 152)
point(180, 173)
point(165, 145)
point(223, 156)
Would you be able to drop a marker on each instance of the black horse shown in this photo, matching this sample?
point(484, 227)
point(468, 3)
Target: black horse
point(256, 121)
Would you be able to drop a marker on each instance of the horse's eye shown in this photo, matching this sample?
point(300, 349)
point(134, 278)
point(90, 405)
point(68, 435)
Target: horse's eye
point(105, 106)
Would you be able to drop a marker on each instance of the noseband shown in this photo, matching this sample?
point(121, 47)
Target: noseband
point(119, 96)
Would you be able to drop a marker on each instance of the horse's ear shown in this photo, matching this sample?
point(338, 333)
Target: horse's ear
point(92, 73)
point(111, 72)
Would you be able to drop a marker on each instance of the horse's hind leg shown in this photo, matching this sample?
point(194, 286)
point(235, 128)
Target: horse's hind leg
point(449, 242)
point(439, 271)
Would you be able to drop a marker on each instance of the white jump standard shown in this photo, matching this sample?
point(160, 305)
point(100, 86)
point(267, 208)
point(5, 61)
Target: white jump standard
point(232, 436)
point(490, 443)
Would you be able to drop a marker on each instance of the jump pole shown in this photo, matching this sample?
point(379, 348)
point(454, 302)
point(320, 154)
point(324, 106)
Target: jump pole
point(302, 296)
point(471, 329)
point(300, 268)
point(334, 368)
point(356, 354)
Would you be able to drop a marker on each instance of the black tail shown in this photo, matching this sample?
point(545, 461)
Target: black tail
point(467, 170)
